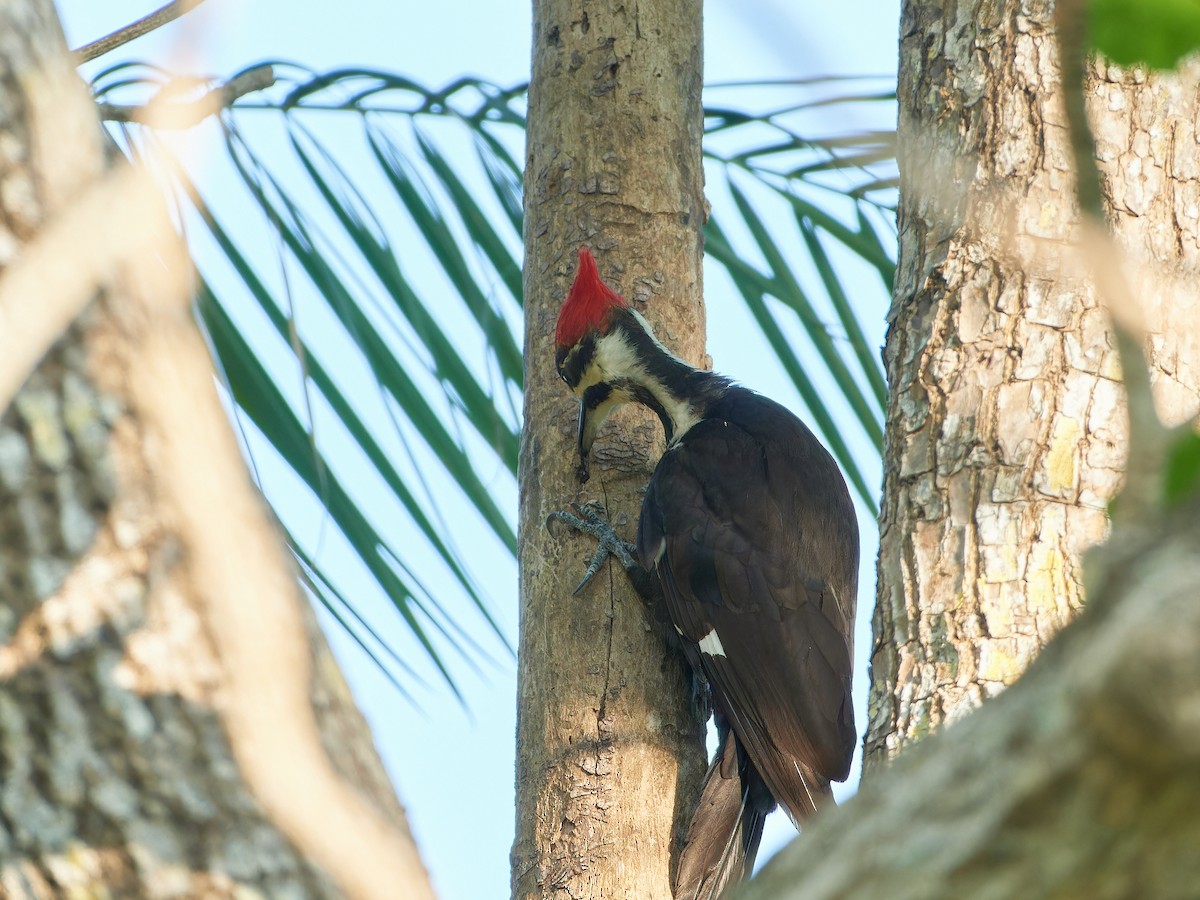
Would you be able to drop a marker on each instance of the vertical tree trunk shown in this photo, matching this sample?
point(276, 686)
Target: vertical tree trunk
point(116, 773)
point(1005, 429)
point(609, 758)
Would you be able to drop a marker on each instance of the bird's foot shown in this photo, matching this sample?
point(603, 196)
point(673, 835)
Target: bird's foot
point(589, 520)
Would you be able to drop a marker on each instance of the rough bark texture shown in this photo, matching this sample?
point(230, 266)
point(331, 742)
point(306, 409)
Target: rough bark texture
point(116, 777)
point(609, 758)
point(1005, 428)
point(1081, 782)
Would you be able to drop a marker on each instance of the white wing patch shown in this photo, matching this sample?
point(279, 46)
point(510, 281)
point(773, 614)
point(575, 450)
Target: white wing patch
point(660, 551)
point(711, 644)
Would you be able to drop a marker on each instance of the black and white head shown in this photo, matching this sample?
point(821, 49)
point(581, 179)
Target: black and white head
point(607, 355)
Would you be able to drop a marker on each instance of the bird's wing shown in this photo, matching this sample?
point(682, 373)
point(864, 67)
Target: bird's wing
point(759, 568)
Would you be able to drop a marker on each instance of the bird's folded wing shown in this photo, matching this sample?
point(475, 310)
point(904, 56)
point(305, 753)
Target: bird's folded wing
point(741, 564)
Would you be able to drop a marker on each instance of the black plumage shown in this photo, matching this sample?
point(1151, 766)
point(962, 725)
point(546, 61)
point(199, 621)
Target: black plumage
point(750, 529)
point(751, 532)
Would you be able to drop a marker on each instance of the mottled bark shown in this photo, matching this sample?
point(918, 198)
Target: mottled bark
point(1005, 432)
point(116, 773)
point(609, 758)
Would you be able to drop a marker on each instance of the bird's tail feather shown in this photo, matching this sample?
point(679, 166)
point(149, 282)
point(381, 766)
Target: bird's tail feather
point(725, 831)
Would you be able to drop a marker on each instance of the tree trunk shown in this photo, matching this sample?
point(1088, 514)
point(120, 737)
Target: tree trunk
point(116, 767)
point(1005, 432)
point(609, 757)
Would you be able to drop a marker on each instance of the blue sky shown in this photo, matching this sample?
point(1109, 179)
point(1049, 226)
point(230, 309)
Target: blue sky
point(454, 768)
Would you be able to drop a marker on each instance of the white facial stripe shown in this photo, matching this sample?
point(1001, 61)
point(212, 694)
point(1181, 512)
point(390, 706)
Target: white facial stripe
point(680, 411)
point(711, 644)
point(681, 414)
point(615, 359)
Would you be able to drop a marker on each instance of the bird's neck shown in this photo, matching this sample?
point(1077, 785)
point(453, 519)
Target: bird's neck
point(679, 394)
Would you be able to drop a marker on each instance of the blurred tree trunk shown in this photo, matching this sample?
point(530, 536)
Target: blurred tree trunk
point(1005, 435)
point(609, 758)
point(116, 771)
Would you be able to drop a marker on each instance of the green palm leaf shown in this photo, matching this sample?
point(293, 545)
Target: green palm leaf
point(394, 211)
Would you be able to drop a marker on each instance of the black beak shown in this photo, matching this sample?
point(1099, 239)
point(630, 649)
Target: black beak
point(582, 472)
point(594, 406)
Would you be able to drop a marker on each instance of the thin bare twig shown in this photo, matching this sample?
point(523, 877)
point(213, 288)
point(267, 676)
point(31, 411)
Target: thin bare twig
point(168, 114)
point(144, 25)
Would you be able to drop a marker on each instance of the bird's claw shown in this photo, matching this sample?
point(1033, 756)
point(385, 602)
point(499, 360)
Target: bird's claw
point(589, 520)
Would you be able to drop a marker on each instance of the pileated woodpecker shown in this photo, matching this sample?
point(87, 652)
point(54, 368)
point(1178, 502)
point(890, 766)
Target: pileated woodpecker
point(750, 529)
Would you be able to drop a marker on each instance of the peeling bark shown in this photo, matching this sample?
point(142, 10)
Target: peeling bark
point(609, 758)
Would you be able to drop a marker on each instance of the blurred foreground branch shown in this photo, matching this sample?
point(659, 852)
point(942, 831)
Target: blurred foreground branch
point(1081, 780)
point(108, 237)
point(250, 596)
point(63, 266)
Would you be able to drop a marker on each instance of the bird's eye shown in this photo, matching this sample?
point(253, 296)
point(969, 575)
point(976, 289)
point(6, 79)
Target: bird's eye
point(564, 378)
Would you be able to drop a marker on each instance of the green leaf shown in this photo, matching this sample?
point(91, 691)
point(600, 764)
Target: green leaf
point(448, 364)
point(350, 620)
point(391, 373)
point(748, 282)
point(253, 390)
point(272, 416)
point(868, 356)
point(787, 288)
point(434, 229)
point(1181, 480)
point(1158, 33)
point(344, 409)
point(475, 220)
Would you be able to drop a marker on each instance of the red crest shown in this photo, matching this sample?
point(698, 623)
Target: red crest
point(588, 304)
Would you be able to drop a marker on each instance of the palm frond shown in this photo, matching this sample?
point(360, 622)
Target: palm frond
point(363, 291)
